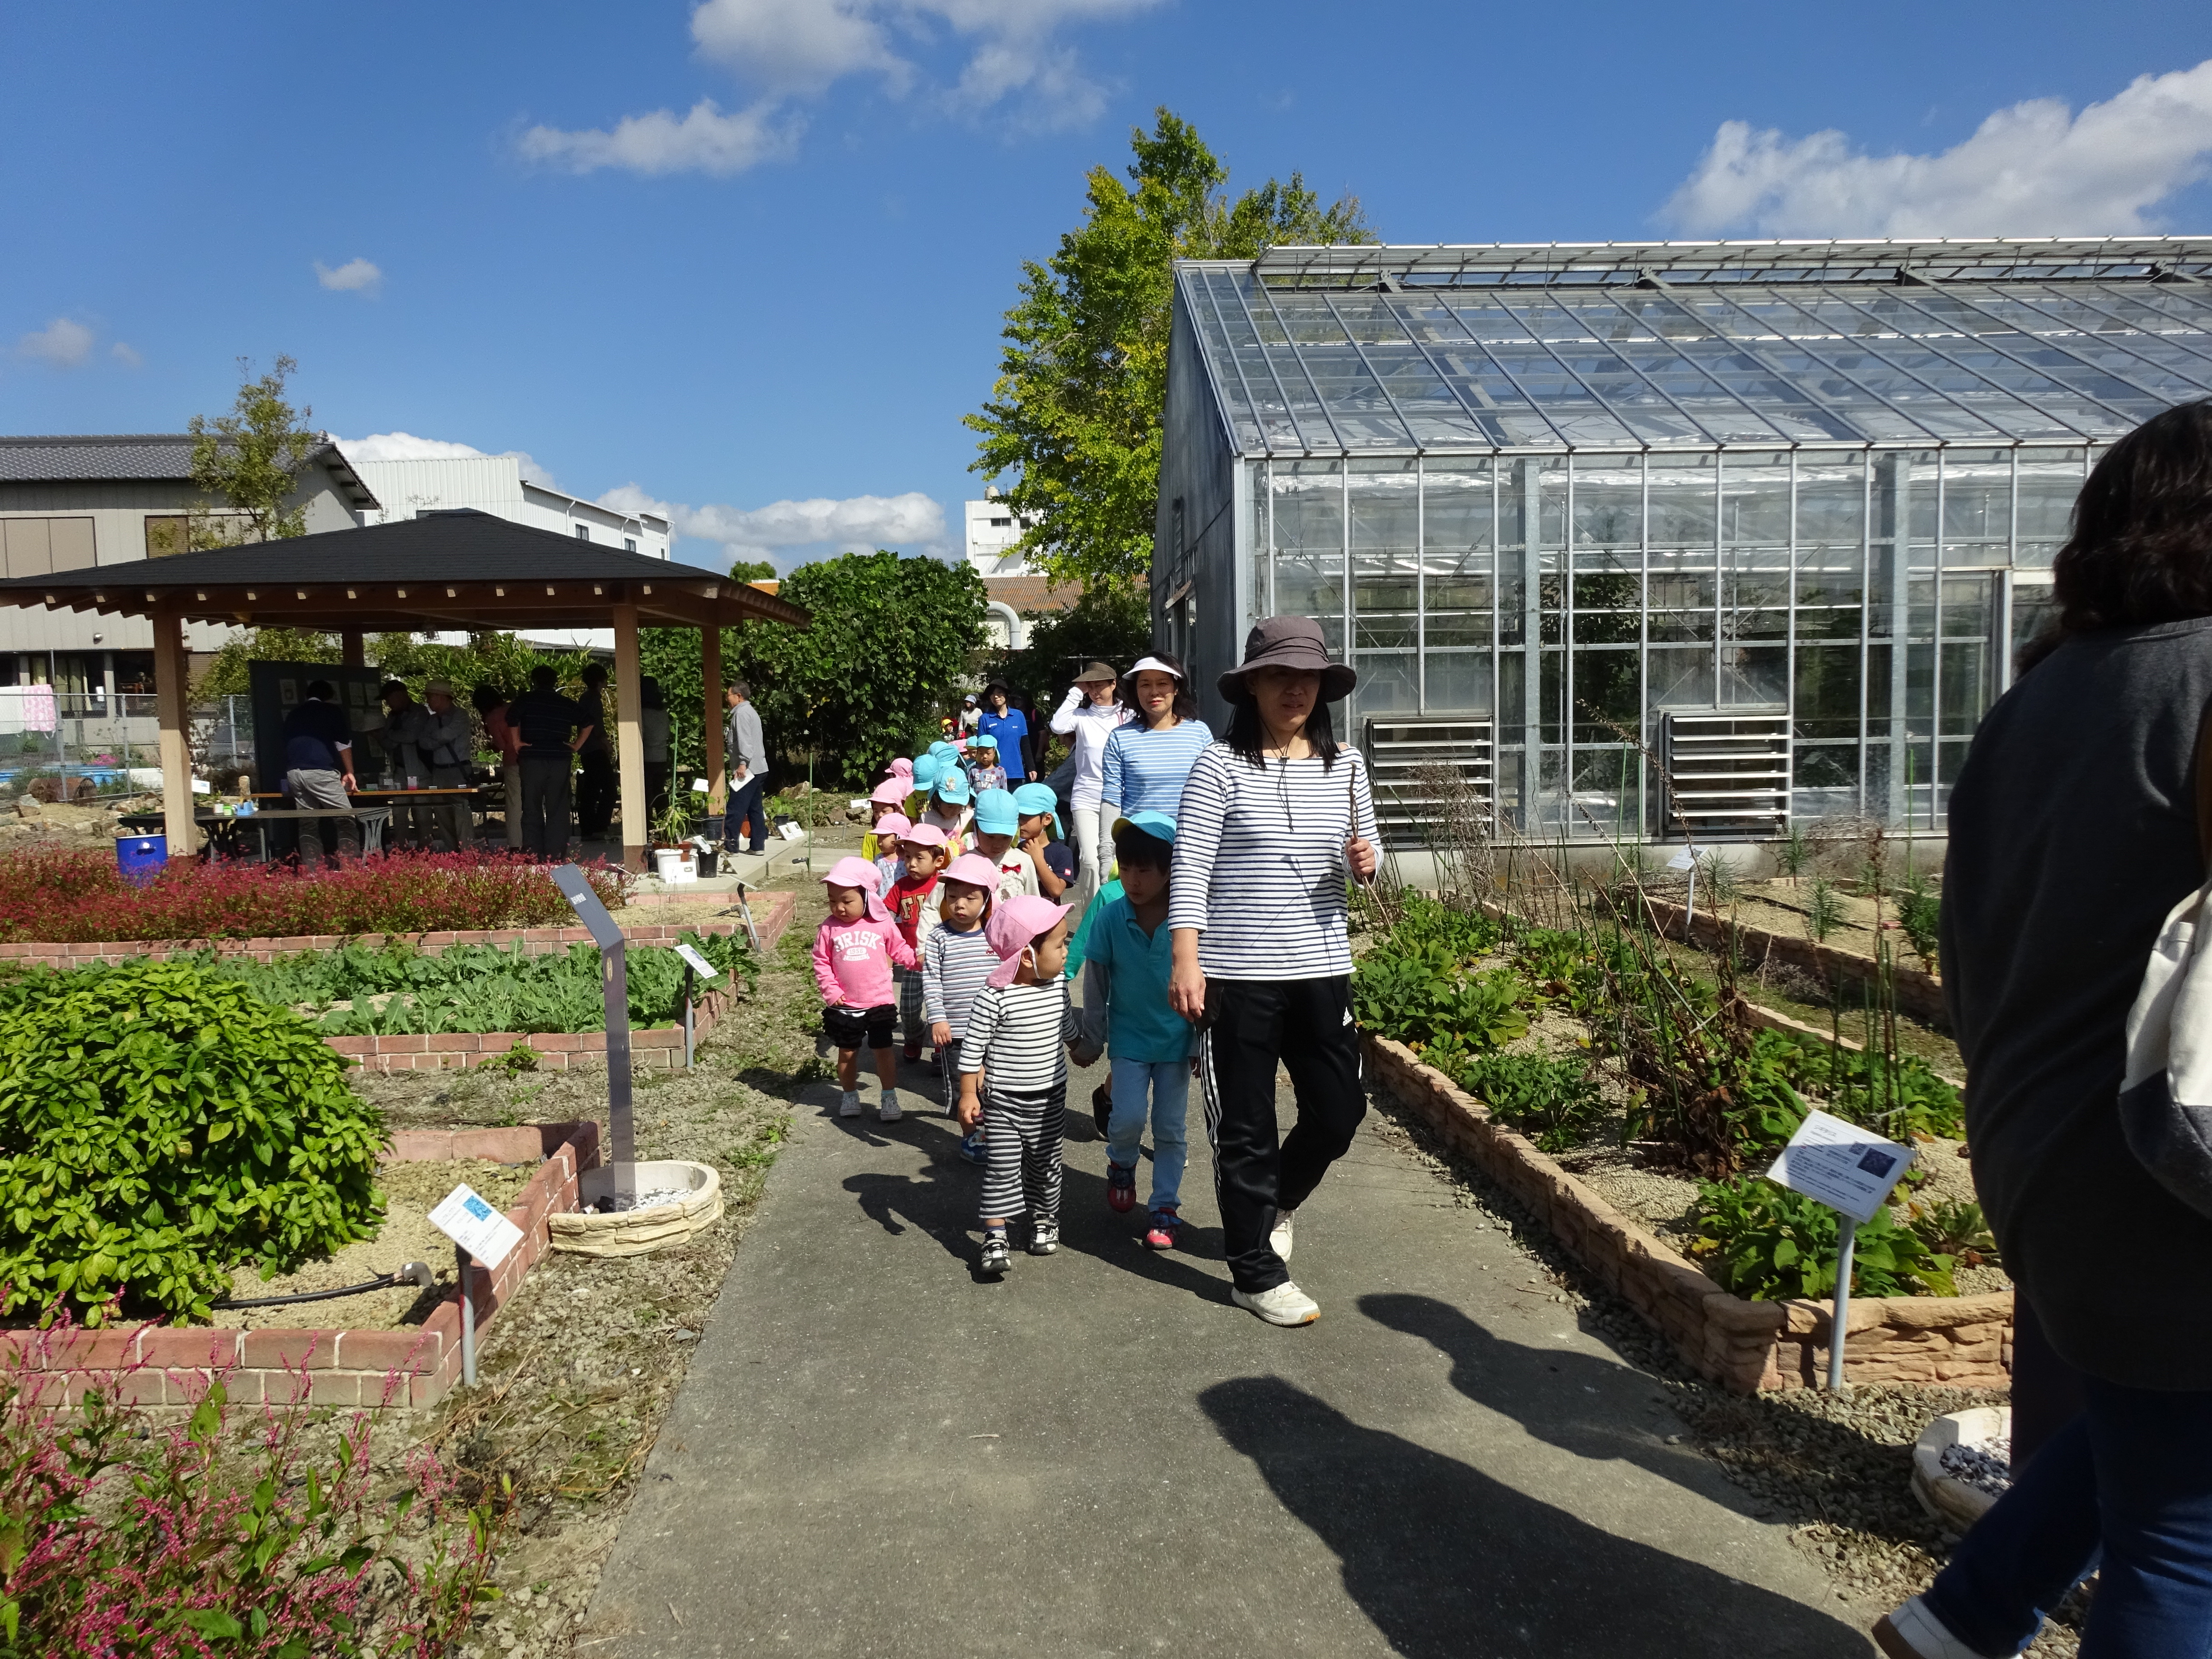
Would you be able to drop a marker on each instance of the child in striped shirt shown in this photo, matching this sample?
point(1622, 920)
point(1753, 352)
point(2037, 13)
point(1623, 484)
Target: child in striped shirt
point(956, 960)
point(913, 902)
point(1016, 1034)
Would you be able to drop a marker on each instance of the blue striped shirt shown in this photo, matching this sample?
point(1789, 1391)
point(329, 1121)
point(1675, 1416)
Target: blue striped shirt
point(1143, 770)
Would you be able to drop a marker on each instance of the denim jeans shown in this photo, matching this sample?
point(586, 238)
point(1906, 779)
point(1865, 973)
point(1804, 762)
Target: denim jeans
point(2127, 1487)
point(1167, 1084)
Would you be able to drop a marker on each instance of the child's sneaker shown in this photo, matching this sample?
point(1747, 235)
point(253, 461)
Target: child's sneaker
point(1120, 1188)
point(913, 1054)
point(850, 1105)
point(997, 1258)
point(1161, 1235)
point(1101, 1107)
point(971, 1147)
point(1044, 1237)
point(889, 1112)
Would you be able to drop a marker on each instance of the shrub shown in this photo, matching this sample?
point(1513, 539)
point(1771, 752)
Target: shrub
point(160, 1127)
point(1418, 996)
point(1768, 1243)
point(77, 895)
point(1920, 913)
point(1554, 1101)
point(1956, 1230)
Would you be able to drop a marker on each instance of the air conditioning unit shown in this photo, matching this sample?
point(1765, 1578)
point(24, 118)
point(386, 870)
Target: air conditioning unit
point(1422, 769)
point(1727, 773)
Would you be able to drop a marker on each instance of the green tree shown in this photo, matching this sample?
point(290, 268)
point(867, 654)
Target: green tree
point(1078, 409)
point(890, 638)
point(250, 459)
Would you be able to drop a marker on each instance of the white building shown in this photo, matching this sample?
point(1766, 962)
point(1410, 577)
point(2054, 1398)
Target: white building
point(495, 484)
point(1017, 588)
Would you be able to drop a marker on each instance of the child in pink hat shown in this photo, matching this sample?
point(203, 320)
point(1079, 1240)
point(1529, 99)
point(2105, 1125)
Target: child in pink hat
point(854, 951)
point(1016, 1046)
point(890, 857)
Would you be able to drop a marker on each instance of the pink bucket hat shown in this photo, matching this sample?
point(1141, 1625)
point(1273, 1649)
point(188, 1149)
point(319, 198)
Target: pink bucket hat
point(893, 824)
point(858, 873)
point(901, 770)
point(1013, 927)
point(974, 869)
point(923, 834)
point(892, 792)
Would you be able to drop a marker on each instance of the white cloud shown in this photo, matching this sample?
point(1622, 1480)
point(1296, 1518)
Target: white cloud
point(406, 446)
point(910, 523)
point(62, 344)
point(704, 141)
point(2035, 169)
point(790, 49)
point(126, 356)
point(354, 276)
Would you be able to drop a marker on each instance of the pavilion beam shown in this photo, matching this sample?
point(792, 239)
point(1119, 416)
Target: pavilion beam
point(710, 681)
point(351, 650)
point(629, 737)
point(171, 666)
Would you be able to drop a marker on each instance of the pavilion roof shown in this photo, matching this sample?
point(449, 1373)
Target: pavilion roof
point(445, 570)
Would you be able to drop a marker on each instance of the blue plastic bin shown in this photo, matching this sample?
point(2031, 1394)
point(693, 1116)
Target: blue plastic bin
point(140, 857)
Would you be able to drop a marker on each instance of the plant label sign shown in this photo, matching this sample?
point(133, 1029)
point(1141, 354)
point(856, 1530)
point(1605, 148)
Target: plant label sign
point(1682, 860)
point(700, 965)
point(1845, 1167)
point(605, 934)
point(473, 1224)
point(699, 787)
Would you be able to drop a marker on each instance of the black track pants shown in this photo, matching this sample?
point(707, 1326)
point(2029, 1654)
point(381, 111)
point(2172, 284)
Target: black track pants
point(1306, 1025)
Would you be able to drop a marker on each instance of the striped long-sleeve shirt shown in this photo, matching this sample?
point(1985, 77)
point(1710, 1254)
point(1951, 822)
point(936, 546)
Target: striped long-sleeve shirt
point(953, 968)
point(1143, 770)
point(1015, 1033)
point(1259, 865)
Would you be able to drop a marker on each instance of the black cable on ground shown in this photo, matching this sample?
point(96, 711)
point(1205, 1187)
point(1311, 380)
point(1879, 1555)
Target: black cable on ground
point(415, 1272)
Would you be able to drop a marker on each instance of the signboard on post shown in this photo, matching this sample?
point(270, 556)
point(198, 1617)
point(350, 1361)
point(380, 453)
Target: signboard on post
point(1850, 1170)
point(614, 987)
point(472, 1224)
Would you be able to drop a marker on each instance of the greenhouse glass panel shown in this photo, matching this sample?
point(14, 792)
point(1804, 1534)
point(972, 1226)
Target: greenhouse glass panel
point(2049, 479)
point(1309, 551)
point(1977, 508)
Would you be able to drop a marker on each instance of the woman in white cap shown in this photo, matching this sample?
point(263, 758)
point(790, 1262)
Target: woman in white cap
point(1146, 761)
point(1087, 717)
point(1275, 824)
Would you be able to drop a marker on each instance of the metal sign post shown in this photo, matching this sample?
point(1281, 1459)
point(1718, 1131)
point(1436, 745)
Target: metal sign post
point(614, 986)
point(694, 965)
point(1850, 1170)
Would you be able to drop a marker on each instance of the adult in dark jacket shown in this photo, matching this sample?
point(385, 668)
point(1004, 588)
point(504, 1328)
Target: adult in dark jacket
point(319, 769)
point(545, 722)
point(2075, 828)
point(595, 781)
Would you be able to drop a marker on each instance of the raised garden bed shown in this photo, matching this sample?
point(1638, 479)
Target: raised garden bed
point(1917, 993)
point(336, 1366)
point(1958, 1341)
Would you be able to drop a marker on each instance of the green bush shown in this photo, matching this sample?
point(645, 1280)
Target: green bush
point(1554, 1101)
point(1920, 913)
point(160, 1126)
point(1768, 1243)
point(1899, 1100)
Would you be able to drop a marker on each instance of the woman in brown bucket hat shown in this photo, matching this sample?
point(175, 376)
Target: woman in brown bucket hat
point(1276, 821)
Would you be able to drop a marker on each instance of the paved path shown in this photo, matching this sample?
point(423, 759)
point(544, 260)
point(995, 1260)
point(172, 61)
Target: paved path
point(875, 1452)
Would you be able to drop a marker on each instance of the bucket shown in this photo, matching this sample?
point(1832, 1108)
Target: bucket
point(140, 858)
point(674, 864)
point(708, 858)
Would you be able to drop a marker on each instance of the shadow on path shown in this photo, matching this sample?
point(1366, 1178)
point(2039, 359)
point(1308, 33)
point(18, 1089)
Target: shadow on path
point(1449, 1563)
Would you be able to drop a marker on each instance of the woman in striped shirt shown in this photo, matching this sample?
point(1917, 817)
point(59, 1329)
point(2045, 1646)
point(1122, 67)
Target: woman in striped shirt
point(1275, 822)
point(1146, 761)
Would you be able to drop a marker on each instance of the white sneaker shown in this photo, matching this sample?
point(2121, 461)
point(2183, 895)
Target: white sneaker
point(850, 1105)
point(889, 1112)
point(1913, 1632)
point(1279, 1241)
point(1286, 1305)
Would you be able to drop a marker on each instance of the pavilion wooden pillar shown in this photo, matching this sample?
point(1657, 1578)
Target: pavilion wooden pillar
point(350, 651)
point(629, 710)
point(171, 667)
point(710, 677)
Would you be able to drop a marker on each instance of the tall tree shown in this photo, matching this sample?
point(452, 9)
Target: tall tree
point(1078, 409)
point(250, 459)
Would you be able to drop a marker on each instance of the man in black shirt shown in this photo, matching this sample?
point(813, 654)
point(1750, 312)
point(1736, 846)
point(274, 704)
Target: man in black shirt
point(595, 785)
point(319, 769)
point(543, 719)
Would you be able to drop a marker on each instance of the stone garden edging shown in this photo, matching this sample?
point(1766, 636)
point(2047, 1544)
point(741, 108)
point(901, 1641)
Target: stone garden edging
point(1918, 994)
point(1746, 1346)
point(163, 1365)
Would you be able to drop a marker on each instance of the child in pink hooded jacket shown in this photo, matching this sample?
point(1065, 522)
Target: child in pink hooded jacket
point(854, 950)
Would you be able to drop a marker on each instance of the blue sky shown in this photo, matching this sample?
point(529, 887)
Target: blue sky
point(748, 258)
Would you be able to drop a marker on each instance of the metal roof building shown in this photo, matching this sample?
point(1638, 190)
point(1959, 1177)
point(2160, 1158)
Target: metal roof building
point(1639, 537)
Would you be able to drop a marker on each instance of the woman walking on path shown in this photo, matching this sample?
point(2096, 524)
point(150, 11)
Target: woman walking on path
point(2082, 817)
point(1146, 761)
point(1008, 724)
point(1087, 717)
point(1276, 822)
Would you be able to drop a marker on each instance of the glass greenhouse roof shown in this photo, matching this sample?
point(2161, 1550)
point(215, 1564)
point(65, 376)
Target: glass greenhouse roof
point(1324, 351)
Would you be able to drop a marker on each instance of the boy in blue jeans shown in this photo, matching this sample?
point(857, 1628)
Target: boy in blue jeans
point(1126, 1015)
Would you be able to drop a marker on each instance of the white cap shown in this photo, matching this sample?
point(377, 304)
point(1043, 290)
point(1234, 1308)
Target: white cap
point(1143, 663)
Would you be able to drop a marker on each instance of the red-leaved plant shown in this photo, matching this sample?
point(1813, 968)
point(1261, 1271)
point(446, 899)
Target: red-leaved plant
point(120, 1536)
point(79, 896)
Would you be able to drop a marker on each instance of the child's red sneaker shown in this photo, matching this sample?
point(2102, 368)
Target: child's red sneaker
point(1161, 1235)
point(1120, 1188)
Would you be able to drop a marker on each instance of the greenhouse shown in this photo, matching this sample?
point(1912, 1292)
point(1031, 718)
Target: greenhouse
point(1643, 539)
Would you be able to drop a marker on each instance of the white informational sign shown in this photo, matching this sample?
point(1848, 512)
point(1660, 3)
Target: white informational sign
point(1845, 1167)
point(791, 831)
point(698, 963)
point(857, 808)
point(202, 787)
point(474, 1225)
point(699, 786)
point(1682, 860)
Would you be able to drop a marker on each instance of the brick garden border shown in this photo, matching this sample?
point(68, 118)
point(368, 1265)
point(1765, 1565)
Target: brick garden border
point(162, 1366)
point(1918, 994)
point(1746, 1346)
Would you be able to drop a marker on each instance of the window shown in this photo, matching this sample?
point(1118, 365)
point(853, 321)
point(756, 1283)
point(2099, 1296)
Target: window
point(167, 533)
point(629, 544)
point(1002, 524)
point(583, 533)
point(39, 547)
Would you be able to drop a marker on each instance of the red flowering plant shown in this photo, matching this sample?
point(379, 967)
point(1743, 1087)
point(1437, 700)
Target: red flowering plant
point(79, 896)
point(121, 1536)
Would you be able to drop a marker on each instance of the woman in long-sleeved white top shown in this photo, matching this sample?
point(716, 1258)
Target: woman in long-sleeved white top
point(1087, 717)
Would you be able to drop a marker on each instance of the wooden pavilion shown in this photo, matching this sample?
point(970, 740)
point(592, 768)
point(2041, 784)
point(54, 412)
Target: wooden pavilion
point(461, 569)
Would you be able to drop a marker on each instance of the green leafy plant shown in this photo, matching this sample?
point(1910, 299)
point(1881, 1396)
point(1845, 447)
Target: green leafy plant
point(1722, 886)
point(1920, 913)
point(1956, 1230)
point(1554, 1101)
point(160, 1125)
point(1767, 1243)
point(1550, 957)
point(1793, 853)
point(519, 1057)
point(1824, 910)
